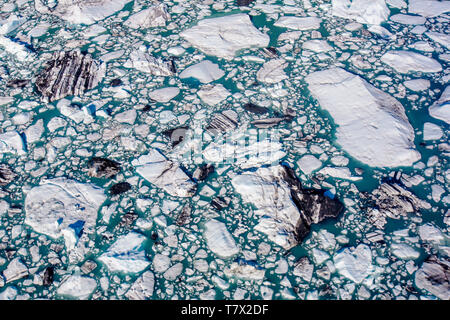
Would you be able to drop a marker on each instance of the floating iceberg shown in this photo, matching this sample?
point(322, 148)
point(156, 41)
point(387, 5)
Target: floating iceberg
point(225, 36)
point(126, 255)
point(372, 125)
point(63, 207)
point(164, 174)
point(84, 12)
point(407, 61)
point(441, 108)
point(219, 240)
point(363, 11)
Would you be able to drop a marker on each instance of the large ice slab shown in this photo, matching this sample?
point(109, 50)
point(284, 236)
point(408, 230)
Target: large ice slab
point(441, 38)
point(126, 255)
point(76, 286)
point(433, 277)
point(225, 36)
point(204, 71)
point(363, 11)
point(142, 288)
point(12, 142)
point(84, 12)
point(428, 8)
point(441, 108)
point(143, 61)
point(407, 61)
point(235, 150)
point(164, 174)
point(63, 207)
point(153, 16)
point(354, 263)
point(219, 239)
point(372, 125)
point(285, 210)
point(298, 23)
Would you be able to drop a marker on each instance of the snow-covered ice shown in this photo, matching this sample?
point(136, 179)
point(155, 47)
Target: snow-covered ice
point(372, 125)
point(204, 71)
point(225, 36)
point(63, 207)
point(407, 61)
point(354, 263)
point(126, 255)
point(219, 239)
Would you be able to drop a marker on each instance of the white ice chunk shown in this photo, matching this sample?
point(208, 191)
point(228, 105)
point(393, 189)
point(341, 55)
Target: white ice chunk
point(244, 271)
point(77, 286)
point(225, 36)
point(272, 71)
point(339, 172)
point(407, 19)
point(309, 163)
point(271, 195)
point(142, 288)
point(126, 255)
point(85, 12)
point(154, 16)
point(34, 132)
point(63, 207)
point(298, 23)
point(317, 45)
point(428, 8)
point(165, 174)
point(363, 11)
point(15, 270)
point(408, 61)
point(441, 108)
point(212, 95)
point(235, 150)
point(404, 251)
point(417, 84)
point(432, 131)
point(204, 71)
point(219, 240)
point(441, 38)
point(429, 232)
point(164, 94)
point(12, 142)
point(372, 125)
point(354, 263)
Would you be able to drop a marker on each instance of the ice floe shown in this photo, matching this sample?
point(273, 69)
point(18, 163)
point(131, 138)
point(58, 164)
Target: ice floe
point(433, 277)
point(372, 125)
point(165, 174)
point(441, 108)
point(204, 71)
point(354, 263)
point(225, 36)
point(63, 207)
point(298, 23)
point(126, 254)
point(76, 286)
point(85, 12)
point(428, 8)
point(12, 142)
point(407, 61)
point(219, 240)
point(363, 11)
point(153, 16)
point(285, 209)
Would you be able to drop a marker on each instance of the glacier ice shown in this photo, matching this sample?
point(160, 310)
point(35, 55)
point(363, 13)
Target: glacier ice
point(371, 125)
